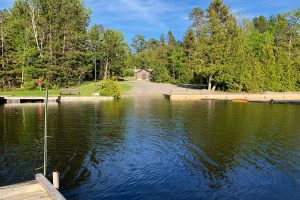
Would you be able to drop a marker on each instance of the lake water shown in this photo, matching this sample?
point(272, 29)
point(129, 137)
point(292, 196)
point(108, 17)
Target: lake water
point(156, 149)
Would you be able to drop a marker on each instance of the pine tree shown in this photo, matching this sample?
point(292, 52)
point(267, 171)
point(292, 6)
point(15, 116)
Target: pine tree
point(197, 16)
point(162, 40)
point(138, 44)
point(212, 48)
point(260, 23)
point(189, 45)
point(171, 40)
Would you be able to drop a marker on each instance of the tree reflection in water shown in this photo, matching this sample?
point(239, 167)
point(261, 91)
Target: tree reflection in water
point(147, 148)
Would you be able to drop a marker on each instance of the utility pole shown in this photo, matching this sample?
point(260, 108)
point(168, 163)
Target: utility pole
point(45, 134)
point(95, 65)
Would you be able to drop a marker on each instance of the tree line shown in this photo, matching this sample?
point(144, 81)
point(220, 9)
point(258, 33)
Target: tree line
point(52, 40)
point(258, 55)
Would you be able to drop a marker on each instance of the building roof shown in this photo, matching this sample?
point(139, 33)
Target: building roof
point(139, 70)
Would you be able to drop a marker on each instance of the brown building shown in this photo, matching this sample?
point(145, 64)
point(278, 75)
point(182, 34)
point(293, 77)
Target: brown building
point(143, 74)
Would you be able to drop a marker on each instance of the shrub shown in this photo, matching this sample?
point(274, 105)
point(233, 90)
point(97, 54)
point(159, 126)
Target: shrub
point(110, 88)
point(31, 85)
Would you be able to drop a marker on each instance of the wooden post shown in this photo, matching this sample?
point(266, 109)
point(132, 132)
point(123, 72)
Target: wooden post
point(56, 180)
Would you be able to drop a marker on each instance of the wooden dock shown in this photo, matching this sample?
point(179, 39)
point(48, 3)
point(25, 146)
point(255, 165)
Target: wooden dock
point(30, 99)
point(52, 99)
point(40, 188)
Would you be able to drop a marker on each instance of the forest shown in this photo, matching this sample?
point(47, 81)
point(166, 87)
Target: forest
point(53, 40)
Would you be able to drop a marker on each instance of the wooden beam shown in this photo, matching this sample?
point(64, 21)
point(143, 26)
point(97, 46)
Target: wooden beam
point(52, 191)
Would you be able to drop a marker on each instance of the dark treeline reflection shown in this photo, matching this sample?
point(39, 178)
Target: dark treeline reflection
point(83, 135)
point(79, 134)
point(156, 149)
point(21, 129)
point(228, 143)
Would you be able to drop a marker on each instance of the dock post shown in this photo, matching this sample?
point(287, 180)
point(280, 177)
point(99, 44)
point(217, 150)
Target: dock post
point(58, 99)
point(55, 176)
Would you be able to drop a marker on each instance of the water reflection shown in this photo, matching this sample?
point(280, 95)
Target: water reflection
point(83, 136)
point(256, 141)
point(156, 149)
point(20, 141)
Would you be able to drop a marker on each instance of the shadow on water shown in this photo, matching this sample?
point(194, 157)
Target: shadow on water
point(156, 149)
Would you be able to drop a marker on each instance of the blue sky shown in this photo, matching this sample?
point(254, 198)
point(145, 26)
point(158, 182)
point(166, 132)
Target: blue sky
point(154, 17)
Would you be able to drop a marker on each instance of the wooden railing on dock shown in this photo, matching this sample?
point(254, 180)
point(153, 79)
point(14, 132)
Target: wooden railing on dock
point(50, 189)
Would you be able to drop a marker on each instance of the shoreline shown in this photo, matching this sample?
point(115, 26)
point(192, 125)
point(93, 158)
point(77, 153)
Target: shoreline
point(272, 97)
point(267, 97)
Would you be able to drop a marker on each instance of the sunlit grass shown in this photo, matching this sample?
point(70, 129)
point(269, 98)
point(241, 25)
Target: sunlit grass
point(86, 89)
point(124, 87)
point(35, 93)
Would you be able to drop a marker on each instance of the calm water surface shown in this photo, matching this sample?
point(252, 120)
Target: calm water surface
point(157, 149)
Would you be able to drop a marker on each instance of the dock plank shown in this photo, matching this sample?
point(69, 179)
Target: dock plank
point(30, 190)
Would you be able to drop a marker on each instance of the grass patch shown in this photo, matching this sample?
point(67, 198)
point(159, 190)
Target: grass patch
point(28, 93)
point(125, 87)
point(86, 89)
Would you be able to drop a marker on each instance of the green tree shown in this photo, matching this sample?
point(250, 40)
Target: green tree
point(260, 23)
point(189, 44)
point(152, 44)
point(197, 16)
point(113, 52)
point(177, 59)
point(171, 40)
point(4, 18)
point(213, 48)
point(159, 62)
point(52, 35)
point(138, 44)
point(96, 36)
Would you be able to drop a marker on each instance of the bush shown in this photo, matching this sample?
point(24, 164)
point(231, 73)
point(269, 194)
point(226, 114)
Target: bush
point(31, 85)
point(110, 88)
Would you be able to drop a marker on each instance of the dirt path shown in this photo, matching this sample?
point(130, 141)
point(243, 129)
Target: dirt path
point(147, 88)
